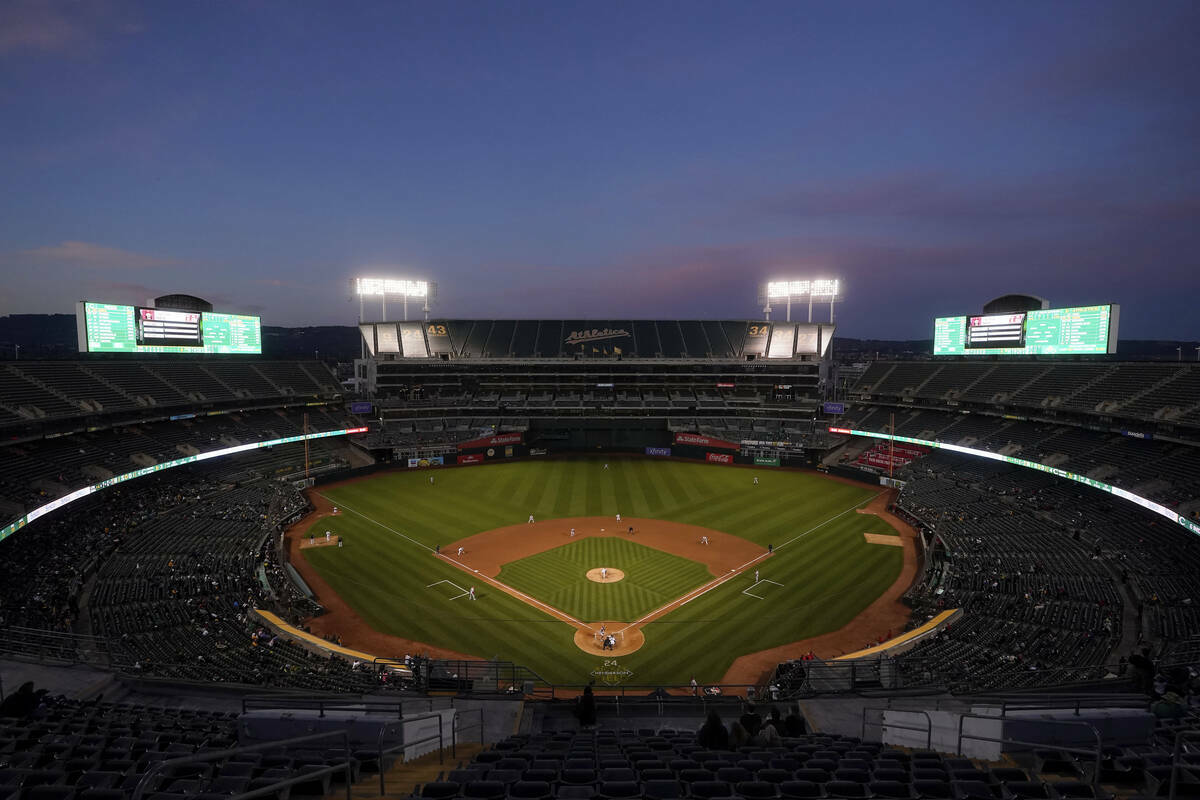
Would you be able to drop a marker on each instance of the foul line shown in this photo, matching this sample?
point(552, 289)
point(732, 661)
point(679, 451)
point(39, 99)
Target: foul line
point(377, 522)
point(713, 584)
point(503, 587)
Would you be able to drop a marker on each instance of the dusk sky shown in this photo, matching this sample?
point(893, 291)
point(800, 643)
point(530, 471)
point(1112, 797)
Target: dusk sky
point(604, 160)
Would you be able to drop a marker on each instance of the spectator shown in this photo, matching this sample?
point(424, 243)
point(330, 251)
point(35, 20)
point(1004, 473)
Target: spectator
point(751, 720)
point(713, 735)
point(586, 709)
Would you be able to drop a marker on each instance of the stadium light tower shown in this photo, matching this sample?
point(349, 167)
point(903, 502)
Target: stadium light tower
point(785, 291)
point(402, 288)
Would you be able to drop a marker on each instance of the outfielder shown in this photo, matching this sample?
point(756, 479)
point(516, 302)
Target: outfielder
point(755, 480)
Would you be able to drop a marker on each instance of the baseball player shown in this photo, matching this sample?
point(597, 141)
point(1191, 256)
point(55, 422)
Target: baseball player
point(327, 536)
point(312, 538)
point(703, 540)
point(755, 480)
point(631, 530)
point(461, 550)
point(531, 518)
point(618, 517)
point(431, 480)
point(604, 573)
point(756, 576)
point(471, 593)
point(572, 533)
point(606, 466)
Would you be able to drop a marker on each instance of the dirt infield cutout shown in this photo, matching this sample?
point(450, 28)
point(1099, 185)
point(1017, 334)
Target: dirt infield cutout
point(590, 640)
point(878, 538)
point(723, 554)
point(605, 574)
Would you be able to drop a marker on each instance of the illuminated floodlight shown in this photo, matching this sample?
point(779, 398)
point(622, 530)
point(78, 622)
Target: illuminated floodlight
point(382, 289)
point(390, 287)
point(823, 288)
point(788, 291)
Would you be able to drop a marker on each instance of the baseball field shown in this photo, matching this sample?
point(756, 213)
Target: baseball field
point(707, 574)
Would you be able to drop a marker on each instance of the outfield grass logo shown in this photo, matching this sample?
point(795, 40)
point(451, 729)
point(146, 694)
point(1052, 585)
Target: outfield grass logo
point(611, 673)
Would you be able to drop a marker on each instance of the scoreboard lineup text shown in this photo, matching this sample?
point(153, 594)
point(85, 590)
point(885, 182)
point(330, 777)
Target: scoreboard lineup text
point(1053, 331)
point(110, 328)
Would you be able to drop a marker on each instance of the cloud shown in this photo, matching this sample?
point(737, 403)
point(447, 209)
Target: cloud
point(92, 256)
point(57, 27)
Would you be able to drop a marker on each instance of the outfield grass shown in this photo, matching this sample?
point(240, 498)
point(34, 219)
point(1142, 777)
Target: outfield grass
point(829, 573)
point(652, 579)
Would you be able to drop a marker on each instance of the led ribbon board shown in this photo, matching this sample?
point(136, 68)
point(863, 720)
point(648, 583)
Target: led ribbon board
point(1124, 494)
point(78, 494)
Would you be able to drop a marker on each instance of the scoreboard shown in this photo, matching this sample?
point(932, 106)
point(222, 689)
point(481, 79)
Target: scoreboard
point(109, 328)
point(1041, 332)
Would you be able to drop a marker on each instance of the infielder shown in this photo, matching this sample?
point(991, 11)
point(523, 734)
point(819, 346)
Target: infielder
point(471, 593)
point(703, 540)
point(327, 536)
point(572, 533)
point(531, 518)
point(618, 517)
point(461, 550)
point(756, 576)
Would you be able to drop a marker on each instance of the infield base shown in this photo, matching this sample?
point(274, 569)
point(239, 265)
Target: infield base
point(628, 640)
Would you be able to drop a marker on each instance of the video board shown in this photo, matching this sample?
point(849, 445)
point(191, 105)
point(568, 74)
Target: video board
point(110, 328)
point(1041, 332)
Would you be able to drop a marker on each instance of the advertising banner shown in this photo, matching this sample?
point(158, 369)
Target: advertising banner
point(474, 458)
point(361, 407)
point(508, 451)
point(762, 461)
point(719, 458)
point(658, 451)
point(705, 441)
point(833, 408)
point(491, 441)
point(537, 451)
point(427, 461)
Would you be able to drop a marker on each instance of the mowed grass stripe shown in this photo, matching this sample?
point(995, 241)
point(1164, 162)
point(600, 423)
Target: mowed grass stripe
point(829, 575)
point(653, 578)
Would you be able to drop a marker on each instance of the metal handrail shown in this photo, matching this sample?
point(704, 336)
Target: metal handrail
point(321, 705)
point(403, 744)
point(198, 758)
point(1175, 755)
point(928, 729)
point(454, 729)
point(1096, 754)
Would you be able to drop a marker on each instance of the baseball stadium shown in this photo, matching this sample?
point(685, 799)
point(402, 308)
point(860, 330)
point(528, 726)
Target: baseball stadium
point(489, 527)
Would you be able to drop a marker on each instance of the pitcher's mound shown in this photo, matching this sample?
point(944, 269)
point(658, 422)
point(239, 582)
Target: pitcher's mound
point(628, 640)
point(611, 576)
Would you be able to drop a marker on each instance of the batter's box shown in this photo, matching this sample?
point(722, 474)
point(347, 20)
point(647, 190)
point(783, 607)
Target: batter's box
point(766, 588)
point(452, 590)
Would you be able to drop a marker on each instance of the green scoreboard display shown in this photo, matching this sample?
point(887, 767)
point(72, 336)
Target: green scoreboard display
point(1040, 332)
point(108, 328)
